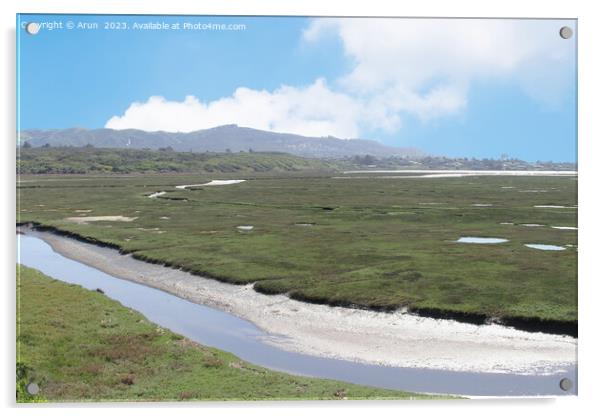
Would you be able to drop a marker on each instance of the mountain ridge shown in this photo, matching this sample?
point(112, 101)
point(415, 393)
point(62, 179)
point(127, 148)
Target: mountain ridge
point(228, 137)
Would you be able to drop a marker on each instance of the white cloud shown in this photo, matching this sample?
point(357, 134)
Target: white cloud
point(400, 67)
point(315, 110)
point(425, 57)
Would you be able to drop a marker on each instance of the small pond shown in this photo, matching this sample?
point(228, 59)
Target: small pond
point(548, 247)
point(481, 240)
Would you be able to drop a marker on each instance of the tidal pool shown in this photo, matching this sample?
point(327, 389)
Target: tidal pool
point(549, 247)
point(551, 206)
point(532, 225)
point(481, 240)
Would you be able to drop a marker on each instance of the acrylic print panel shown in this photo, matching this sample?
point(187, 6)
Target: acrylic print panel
point(293, 208)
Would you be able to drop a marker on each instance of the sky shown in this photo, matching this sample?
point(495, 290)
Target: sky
point(455, 87)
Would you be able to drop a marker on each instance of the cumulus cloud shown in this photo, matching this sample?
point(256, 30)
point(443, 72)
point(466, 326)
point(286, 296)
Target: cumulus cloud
point(433, 62)
point(314, 110)
point(421, 68)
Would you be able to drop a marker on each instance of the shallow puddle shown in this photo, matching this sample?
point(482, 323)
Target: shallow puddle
point(548, 247)
point(481, 240)
point(551, 206)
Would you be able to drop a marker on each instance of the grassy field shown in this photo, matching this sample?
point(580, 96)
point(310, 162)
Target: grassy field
point(372, 242)
point(79, 345)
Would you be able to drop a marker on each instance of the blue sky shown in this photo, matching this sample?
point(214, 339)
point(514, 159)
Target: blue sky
point(459, 88)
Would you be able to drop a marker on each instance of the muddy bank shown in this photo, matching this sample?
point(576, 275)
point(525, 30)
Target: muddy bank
point(386, 338)
point(517, 322)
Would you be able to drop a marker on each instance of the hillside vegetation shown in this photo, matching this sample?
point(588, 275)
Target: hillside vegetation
point(72, 160)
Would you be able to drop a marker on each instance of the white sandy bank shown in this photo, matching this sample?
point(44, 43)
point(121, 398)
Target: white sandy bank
point(392, 339)
point(85, 220)
point(446, 173)
point(215, 182)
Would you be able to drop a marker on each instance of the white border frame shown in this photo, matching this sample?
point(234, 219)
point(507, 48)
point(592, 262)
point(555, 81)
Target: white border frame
point(590, 288)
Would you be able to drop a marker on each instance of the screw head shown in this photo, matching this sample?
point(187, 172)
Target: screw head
point(566, 32)
point(32, 388)
point(566, 384)
point(32, 28)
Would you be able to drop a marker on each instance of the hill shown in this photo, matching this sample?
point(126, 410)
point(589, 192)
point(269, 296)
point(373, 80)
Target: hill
point(218, 139)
